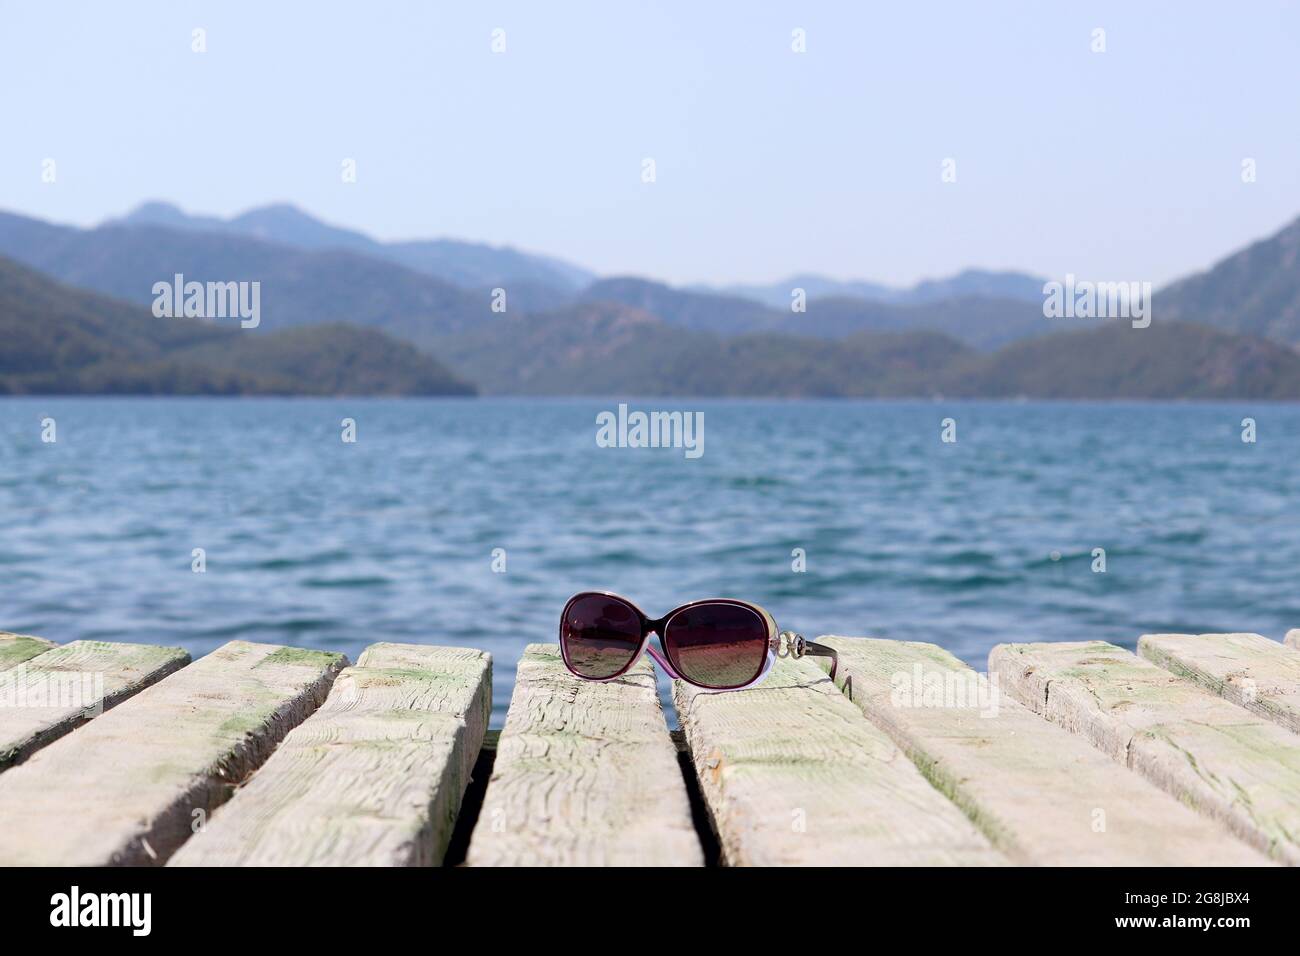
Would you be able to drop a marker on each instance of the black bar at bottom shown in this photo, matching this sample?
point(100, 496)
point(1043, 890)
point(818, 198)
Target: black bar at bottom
point(837, 906)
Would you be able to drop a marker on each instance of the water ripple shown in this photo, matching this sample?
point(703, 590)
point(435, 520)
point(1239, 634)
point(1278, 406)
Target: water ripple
point(318, 543)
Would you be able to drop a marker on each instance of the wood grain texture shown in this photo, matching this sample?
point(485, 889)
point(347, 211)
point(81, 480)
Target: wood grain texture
point(585, 774)
point(1248, 669)
point(373, 778)
point(1040, 794)
point(794, 774)
point(125, 788)
point(1218, 758)
point(16, 648)
point(49, 695)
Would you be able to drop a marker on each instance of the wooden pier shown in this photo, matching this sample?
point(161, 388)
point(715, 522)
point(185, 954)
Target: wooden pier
point(1185, 753)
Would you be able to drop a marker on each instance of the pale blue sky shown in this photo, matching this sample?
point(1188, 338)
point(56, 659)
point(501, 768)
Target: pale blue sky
point(1122, 165)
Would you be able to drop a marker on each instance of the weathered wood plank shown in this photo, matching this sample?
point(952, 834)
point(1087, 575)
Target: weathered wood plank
point(1040, 794)
point(1220, 759)
point(51, 694)
point(794, 774)
point(1247, 669)
point(585, 774)
point(16, 648)
point(128, 787)
point(373, 778)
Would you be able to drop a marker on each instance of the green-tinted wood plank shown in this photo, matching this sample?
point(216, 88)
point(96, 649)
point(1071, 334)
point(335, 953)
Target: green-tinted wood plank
point(51, 694)
point(1042, 795)
point(16, 648)
point(373, 778)
point(1253, 672)
point(130, 786)
point(1215, 756)
point(795, 775)
point(586, 774)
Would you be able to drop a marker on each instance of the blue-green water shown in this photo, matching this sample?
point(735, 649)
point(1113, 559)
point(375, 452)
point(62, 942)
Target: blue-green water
point(315, 542)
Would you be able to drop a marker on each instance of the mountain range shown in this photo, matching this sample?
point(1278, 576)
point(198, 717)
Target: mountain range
point(305, 279)
point(339, 307)
point(467, 264)
point(608, 349)
point(1256, 290)
point(55, 339)
point(983, 322)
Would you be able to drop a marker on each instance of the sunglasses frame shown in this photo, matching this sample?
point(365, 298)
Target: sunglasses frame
point(796, 645)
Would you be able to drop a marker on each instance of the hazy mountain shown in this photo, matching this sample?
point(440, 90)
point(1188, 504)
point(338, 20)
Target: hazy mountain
point(466, 264)
point(982, 322)
point(1255, 290)
point(1168, 360)
point(617, 336)
point(589, 348)
point(978, 282)
point(525, 296)
point(302, 285)
point(165, 214)
point(332, 359)
point(603, 348)
point(298, 286)
point(54, 339)
point(1017, 286)
point(702, 311)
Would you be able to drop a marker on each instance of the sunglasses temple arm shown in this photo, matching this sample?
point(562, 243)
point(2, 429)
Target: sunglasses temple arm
point(659, 659)
point(813, 649)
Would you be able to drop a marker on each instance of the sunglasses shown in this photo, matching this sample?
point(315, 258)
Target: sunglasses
point(715, 644)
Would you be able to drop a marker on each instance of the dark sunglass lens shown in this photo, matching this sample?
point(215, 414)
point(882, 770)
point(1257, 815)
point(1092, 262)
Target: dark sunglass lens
point(717, 645)
point(601, 635)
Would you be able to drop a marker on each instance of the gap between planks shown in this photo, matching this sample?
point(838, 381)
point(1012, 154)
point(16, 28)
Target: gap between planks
point(1249, 670)
point(794, 774)
point(585, 774)
point(1040, 794)
point(1220, 759)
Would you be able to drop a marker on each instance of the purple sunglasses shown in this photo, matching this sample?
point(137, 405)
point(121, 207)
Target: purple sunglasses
point(716, 644)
